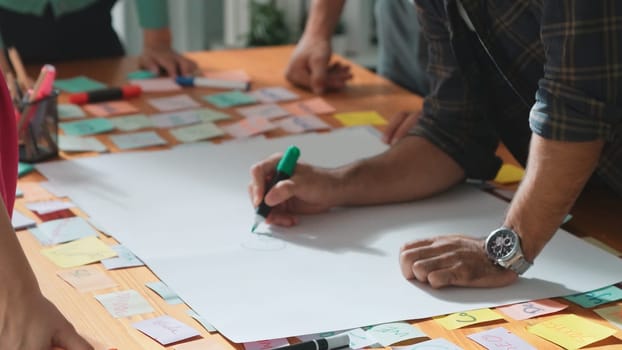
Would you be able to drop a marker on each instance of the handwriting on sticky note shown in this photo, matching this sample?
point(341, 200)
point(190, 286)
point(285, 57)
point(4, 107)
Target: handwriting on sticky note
point(359, 339)
point(462, 319)
point(266, 344)
point(80, 252)
point(315, 105)
point(571, 331)
point(197, 132)
point(65, 230)
point(166, 330)
point(500, 338)
point(125, 303)
point(509, 173)
point(529, 309)
point(596, 297)
point(360, 118)
point(391, 333)
point(613, 314)
point(105, 109)
point(87, 278)
point(249, 127)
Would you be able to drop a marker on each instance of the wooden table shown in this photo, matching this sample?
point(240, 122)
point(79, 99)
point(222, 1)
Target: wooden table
point(598, 212)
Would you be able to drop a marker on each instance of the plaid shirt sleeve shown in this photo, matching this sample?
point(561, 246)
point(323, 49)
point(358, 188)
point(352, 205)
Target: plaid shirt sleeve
point(455, 116)
point(582, 82)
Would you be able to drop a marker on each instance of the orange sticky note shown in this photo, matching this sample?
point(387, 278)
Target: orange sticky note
point(33, 192)
point(360, 118)
point(315, 105)
point(104, 109)
point(529, 309)
point(509, 174)
point(571, 331)
point(468, 318)
point(87, 278)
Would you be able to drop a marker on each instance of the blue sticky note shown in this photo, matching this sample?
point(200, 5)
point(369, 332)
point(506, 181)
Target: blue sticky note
point(124, 259)
point(230, 99)
point(596, 297)
point(63, 230)
point(78, 84)
point(87, 126)
point(24, 168)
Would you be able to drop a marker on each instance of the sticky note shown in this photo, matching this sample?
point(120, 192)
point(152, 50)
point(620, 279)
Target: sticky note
point(104, 109)
point(169, 120)
point(434, 344)
point(203, 322)
point(230, 99)
point(249, 127)
point(125, 258)
point(64, 230)
point(20, 221)
point(571, 331)
point(468, 318)
point(87, 278)
point(81, 252)
point(316, 105)
point(70, 143)
point(391, 333)
point(233, 75)
point(125, 303)
point(132, 122)
point(141, 74)
point(613, 314)
point(78, 84)
point(87, 126)
point(266, 344)
point(358, 339)
point(197, 132)
point(70, 111)
point(137, 140)
point(509, 173)
point(268, 111)
point(596, 297)
point(307, 337)
point(529, 309)
point(47, 207)
point(24, 168)
point(360, 118)
point(166, 330)
point(33, 192)
point(302, 123)
point(165, 292)
point(274, 94)
point(207, 115)
point(172, 103)
point(500, 338)
point(156, 85)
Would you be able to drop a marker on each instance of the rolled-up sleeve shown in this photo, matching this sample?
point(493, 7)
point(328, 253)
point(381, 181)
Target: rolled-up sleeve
point(579, 96)
point(152, 14)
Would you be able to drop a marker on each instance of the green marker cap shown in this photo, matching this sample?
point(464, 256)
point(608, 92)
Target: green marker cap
point(288, 161)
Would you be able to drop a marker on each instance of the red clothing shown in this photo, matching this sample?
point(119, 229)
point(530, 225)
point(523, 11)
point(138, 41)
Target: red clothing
point(8, 148)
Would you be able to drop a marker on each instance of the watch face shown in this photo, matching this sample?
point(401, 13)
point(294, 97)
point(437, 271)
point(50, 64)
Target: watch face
point(501, 244)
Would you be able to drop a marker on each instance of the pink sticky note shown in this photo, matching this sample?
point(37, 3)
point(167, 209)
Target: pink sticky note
point(249, 127)
point(166, 330)
point(311, 106)
point(268, 111)
point(110, 108)
point(531, 309)
point(157, 85)
point(233, 75)
point(302, 123)
point(500, 338)
point(266, 344)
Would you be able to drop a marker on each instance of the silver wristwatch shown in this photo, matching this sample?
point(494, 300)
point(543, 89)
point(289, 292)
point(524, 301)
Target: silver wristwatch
point(503, 247)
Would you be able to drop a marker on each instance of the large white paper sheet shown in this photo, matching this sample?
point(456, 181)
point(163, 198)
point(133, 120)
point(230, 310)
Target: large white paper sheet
point(185, 212)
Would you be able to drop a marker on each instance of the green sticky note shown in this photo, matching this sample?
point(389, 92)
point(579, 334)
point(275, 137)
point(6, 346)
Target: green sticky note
point(209, 115)
point(596, 297)
point(70, 111)
point(24, 168)
point(141, 74)
point(230, 99)
point(165, 292)
point(78, 84)
point(197, 132)
point(132, 122)
point(87, 126)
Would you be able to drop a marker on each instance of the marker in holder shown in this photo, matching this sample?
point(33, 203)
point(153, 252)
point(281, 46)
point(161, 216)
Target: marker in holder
point(38, 133)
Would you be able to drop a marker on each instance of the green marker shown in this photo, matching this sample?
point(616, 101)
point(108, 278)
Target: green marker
point(284, 170)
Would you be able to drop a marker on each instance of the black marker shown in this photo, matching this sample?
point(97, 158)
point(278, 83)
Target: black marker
point(334, 342)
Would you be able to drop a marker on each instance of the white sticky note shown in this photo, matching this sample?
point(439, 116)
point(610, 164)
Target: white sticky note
point(166, 330)
point(197, 132)
point(266, 344)
point(391, 333)
point(124, 259)
point(173, 103)
point(46, 207)
point(169, 120)
point(20, 221)
point(268, 111)
point(138, 140)
point(64, 230)
point(70, 143)
point(125, 303)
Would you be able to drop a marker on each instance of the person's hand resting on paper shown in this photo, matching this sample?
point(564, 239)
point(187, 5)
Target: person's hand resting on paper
point(159, 54)
point(399, 125)
point(310, 67)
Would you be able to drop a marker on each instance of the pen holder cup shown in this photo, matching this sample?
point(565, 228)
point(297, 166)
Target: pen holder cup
point(38, 130)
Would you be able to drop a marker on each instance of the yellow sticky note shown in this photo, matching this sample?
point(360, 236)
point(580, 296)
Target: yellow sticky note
point(571, 331)
point(509, 174)
point(360, 118)
point(461, 319)
point(77, 253)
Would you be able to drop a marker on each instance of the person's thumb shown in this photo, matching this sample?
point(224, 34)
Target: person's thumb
point(319, 67)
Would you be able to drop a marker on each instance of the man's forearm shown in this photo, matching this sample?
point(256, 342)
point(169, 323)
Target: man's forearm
point(323, 18)
point(412, 169)
point(556, 174)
